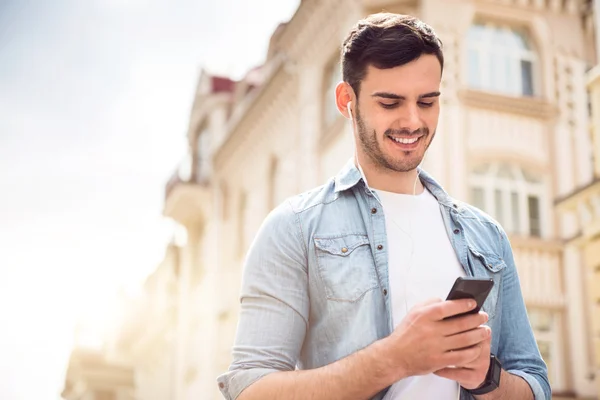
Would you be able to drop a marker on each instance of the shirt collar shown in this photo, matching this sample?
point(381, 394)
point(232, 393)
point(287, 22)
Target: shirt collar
point(349, 176)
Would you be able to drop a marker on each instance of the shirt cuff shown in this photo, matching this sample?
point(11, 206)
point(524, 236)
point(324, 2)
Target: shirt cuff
point(232, 383)
point(536, 387)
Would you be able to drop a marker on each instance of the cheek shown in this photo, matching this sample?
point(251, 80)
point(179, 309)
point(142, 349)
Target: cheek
point(431, 117)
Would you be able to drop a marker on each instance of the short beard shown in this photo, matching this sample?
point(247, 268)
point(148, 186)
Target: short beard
point(372, 149)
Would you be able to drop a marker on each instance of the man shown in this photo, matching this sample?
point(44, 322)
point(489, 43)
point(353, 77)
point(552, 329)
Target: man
point(342, 286)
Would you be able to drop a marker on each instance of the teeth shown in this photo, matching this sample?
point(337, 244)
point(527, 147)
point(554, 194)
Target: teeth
point(406, 141)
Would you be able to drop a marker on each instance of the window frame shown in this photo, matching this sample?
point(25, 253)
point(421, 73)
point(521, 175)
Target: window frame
point(485, 49)
point(553, 338)
point(489, 182)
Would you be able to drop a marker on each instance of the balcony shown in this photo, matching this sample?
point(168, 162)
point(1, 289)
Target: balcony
point(186, 200)
point(539, 263)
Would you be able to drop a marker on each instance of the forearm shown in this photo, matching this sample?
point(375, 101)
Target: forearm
point(511, 387)
point(358, 376)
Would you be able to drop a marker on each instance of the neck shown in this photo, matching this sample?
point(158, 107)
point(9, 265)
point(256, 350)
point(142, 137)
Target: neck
point(385, 179)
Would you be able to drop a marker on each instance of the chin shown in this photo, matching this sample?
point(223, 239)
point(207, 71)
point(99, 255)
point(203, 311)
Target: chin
point(405, 164)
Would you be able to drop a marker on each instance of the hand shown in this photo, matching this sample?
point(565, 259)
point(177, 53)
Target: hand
point(425, 342)
point(471, 375)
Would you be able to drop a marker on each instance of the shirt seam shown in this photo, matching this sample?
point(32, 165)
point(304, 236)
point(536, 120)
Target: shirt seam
point(302, 241)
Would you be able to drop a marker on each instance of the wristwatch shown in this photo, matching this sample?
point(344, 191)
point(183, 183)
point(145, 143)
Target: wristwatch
point(492, 379)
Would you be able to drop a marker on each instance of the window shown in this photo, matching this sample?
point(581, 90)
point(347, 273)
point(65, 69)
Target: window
point(477, 197)
point(545, 324)
point(533, 205)
point(333, 76)
point(500, 59)
point(499, 212)
point(514, 207)
point(511, 195)
point(546, 353)
point(541, 320)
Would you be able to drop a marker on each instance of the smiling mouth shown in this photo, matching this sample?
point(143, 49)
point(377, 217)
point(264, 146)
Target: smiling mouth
point(406, 140)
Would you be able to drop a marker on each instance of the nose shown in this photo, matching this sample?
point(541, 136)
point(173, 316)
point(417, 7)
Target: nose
point(411, 118)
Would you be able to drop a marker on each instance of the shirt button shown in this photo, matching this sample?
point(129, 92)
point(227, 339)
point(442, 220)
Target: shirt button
point(385, 292)
point(379, 247)
point(221, 385)
point(457, 231)
point(344, 249)
point(373, 210)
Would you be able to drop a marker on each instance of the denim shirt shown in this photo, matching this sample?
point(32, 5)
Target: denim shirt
point(315, 285)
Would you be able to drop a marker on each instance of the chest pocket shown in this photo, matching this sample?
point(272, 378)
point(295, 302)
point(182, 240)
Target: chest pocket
point(346, 266)
point(488, 265)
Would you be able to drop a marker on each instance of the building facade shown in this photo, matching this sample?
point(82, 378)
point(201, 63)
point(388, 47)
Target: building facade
point(92, 376)
point(513, 139)
point(581, 211)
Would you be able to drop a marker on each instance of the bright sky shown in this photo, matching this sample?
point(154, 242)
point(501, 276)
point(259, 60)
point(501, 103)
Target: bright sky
point(94, 104)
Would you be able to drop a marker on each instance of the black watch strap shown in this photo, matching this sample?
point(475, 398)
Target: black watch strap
point(492, 379)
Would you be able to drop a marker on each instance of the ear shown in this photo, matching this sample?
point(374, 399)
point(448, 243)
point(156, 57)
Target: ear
point(344, 97)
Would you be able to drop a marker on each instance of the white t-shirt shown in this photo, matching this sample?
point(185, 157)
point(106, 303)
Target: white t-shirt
point(419, 269)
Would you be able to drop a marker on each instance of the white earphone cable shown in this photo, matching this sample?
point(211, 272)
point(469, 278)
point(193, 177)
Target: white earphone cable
point(407, 234)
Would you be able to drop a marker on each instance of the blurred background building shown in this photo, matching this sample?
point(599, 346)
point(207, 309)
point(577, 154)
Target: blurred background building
point(519, 137)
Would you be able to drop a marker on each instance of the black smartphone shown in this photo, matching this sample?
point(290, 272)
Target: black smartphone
point(470, 288)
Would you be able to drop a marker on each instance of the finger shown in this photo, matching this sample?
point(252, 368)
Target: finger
point(462, 357)
point(463, 323)
point(450, 308)
point(483, 361)
point(467, 339)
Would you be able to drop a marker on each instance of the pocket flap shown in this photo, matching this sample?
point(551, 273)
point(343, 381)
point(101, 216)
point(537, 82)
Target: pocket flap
point(491, 261)
point(341, 246)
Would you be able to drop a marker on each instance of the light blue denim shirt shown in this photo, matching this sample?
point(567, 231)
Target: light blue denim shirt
point(315, 285)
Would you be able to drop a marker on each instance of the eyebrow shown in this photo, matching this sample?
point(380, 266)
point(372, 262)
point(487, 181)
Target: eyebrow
point(393, 96)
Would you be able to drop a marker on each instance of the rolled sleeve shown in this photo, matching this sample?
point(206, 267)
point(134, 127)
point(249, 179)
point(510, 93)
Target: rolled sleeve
point(274, 304)
point(534, 384)
point(518, 350)
point(232, 383)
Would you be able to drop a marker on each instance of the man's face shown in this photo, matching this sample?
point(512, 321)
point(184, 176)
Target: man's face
point(397, 113)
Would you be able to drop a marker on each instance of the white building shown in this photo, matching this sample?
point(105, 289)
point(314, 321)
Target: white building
point(513, 137)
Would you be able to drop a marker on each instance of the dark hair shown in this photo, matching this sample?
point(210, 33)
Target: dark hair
point(386, 40)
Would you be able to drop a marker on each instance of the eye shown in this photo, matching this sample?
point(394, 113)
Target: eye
point(388, 106)
point(425, 104)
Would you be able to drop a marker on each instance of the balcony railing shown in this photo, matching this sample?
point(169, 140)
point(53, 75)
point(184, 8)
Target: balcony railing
point(539, 263)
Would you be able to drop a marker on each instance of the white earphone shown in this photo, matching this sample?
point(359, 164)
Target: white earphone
point(349, 110)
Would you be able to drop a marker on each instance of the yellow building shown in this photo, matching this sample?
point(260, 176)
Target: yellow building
point(513, 138)
point(582, 209)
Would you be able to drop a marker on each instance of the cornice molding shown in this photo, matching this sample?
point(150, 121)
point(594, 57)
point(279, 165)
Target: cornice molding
point(526, 106)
